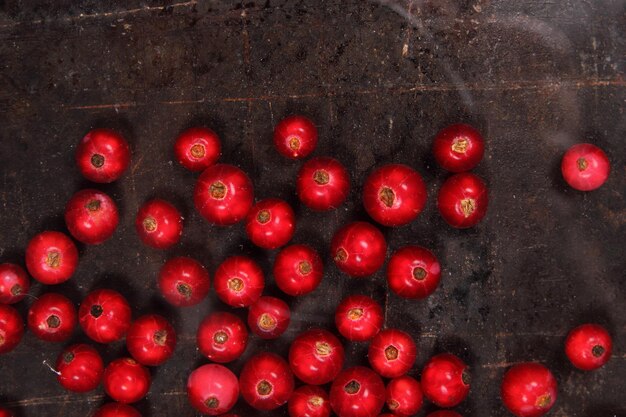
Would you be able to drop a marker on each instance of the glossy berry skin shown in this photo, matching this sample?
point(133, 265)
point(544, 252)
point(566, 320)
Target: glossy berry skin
point(358, 249)
point(14, 283)
point(309, 401)
point(585, 167)
point(323, 183)
point(104, 315)
point(463, 200)
point(271, 223)
point(458, 148)
point(357, 392)
point(52, 317)
point(295, 137)
point(239, 281)
point(91, 216)
point(151, 340)
point(51, 257)
point(184, 281)
point(197, 148)
point(444, 413)
point(404, 396)
point(413, 272)
point(316, 356)
point(394, 194)
point(269, 317)
point(266, 382)
point(298, 270)
point(223, 194)
point(116, 410)
point(159, 224)
point(588, 346)
point(126, 381)
point(102, 155)
point(212, 389)
point(11, 328)
point(392, 353)
point(358, 318)
point(445, 380)
point(222, 337)
point(528, 390)
point(80, 368)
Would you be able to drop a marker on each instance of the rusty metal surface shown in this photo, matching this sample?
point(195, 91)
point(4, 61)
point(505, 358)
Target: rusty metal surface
point(379, 81)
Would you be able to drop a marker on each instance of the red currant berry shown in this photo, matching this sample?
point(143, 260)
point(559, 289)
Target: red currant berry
point(51, 257)
point(52, 317)
point(359, 249)
point(212, 389)
point(458, 148)
point(159, 224)
point(197, 148)
point(528, 390)
point(404, 396)
point(222, 337)
point(463, 200)
point(104, 316)
point(413, 272)
point(91, 216)
point(14, 283)
point(309, 401)
point(271, 223)
point(239, 281)
point(585, 167)
point(151, 340)
point(80, 368)
point(116, 410)
point(588, 346)
point(316, 357)
point(11, 328)
point(445, 380)
point(323, 183)
point(298, 270)
point(266, 381)
point(357, 392)
point(102, 155)
point(184, 281)
point(392, 353)
point(295, 137)
point(269, 317)
point(358, 318)
point(126, 381)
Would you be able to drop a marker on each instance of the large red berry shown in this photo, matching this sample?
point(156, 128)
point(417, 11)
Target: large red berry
point(269, 317)
point(309, 401)
point(528, 390)
point(102, 155)
point(358, 318)
point(51, 257)
point(463, 200)
point(126, 381)
point(266, 382)
point(588, 346)
point(184, 281)
point(271, 223)
point(197, 148)
point(223, 194)
point(458, 148)
point(445, 380)
point(298, 270)
point(323, 183)
point(91, 216)
point(239, 281)
point(11, 328)
point(357, 392)
point(359, 249)
point(585, 167)
point(14, 283)
point(413, 272)
point(404, 396)
point(52, 317)
point(159, 224)
point(79, 368)
point(212, 389)
point(394, 195)
point(295, 137)
point(116, 410)
point(222, 337)
point(316, 356)
point(151, 340)
point(104, 315)
point(392, 353)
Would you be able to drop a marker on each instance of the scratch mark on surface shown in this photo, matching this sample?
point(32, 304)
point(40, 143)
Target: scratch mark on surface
point(39, 401)
point(104, 106)
point(407, 36)
point(269, 104)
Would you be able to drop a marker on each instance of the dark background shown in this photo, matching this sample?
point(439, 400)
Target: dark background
point(379, 81)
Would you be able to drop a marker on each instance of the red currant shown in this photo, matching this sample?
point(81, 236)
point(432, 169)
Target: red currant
point(528, 390)
point(212, 389)
point(222, 337)
point(151, 340)
point(358, 318)
point(159, 224)
point(357, 392)
point(270, 223)
point(269, 317)
point(104, 315)
point(266, 382)
point(392, 353)
point(413, 272)
point(14, 283)
point(359, 249)
point(316, 357)
point(585, 167)
point(184, 281)
point(51, 257)
point(102, 155)
point(323, 183)
point(458, 148)
point(309, 401)
point(116, 410)
point(239, 281)
point(126, 381)
point(80, 368)
point(445, 380)
point(295, 137)
point(298, 270)
point(463, 200)
point(52, 317)
point(404, 396)
point(197, 148)
point(11, 328)
point(91, 216)
point(588, 346)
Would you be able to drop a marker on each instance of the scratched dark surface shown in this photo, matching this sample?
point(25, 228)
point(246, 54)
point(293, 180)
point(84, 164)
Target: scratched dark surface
point(379, 81)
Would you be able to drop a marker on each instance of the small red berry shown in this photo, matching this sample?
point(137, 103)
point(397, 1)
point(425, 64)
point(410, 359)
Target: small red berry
point(463, 200)
point(394, 194)
point(11, 328)
point(102, 155)
point(159, 224)
point(357, 392)
point(528, 390)
point(51, 257)
point(212, 389)
point(104, 315)
point(52, 317)
point(298, 270)
point(197, 148)
point(323, 183)
point(585, 167)
point(266, 381)
point(151, 340)
point(445, 380)
point(458, 148)
point(404, 396)
point(309, 401)
point(239, 281)
point(359, 249)
point(223, 194)
point(270, 223)
point(392, 353)
point(358, 318)
point(413, 272)
point(269, 317)
point(588, 346)
point(295, 137)
point(184, 281)
point(126, 381)
point(444, 413)
point(79, 368)
point(14, 283)
point(91, 216)
point(222, 337)
point(116, 410)
point(316, 356)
